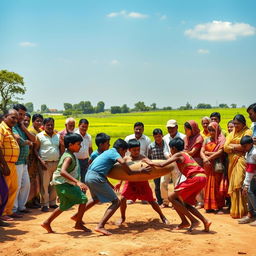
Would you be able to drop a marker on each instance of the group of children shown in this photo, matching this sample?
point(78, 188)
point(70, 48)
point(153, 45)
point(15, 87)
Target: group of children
point(71, 191)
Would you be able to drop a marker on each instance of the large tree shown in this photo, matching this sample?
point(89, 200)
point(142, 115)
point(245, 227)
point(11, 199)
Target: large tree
point(11, 84)
point(100, 107)
point(30, 107)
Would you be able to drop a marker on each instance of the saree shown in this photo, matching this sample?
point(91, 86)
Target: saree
point(194, 141)
point(214, 199)
point(236, 173)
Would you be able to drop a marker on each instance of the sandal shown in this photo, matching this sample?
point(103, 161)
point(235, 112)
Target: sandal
point(245, 220)
point(6, 218)
point(253, 224)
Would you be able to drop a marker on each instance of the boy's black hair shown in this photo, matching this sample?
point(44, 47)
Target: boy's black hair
point(138, 124)
point(157, 131)
point(215, 114)
point(119, 143)
point(246, 140)
point(188, 126)
point(28, 115)
point(83, 121)
point(19, 106)
point(177, 143)
point(133, 143)
point(72, 138)
point(47, 120)
point(230, 122)
point(101, 138)
point(35, 116)
point(240, 119)
point(252, 106)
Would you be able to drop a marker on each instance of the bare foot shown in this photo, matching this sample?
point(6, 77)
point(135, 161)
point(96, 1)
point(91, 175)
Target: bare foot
point(182, 226)
point(47, 227)
point(120, 222)
point(103, 231)
point(193, 226)
point(74, 218)
point(165, 221)
point(80, 226)
point(207, 225)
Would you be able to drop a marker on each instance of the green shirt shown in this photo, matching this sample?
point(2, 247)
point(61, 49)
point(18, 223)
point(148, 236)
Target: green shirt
point(24, 149)
point(73, 170)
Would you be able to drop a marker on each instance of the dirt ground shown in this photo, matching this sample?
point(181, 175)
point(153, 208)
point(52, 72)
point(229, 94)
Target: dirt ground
point(143, 234)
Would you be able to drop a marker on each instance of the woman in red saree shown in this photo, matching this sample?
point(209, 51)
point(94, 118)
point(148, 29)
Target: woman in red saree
point(212, 149)
point(193, 143)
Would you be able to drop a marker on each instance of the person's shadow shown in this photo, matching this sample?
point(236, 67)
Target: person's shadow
point(8, 234)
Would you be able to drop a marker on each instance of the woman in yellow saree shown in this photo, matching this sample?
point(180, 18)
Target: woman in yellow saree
point(236, 168)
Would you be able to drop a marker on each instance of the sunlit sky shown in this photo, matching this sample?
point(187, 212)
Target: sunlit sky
point(167, 52)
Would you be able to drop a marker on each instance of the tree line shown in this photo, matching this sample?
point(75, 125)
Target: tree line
point(12, 86)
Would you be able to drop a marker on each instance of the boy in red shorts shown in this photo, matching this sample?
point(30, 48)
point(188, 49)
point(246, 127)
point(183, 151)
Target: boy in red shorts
point(136, 190)
point(184, 196)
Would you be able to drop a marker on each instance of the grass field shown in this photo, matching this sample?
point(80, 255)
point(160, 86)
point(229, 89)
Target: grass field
point(121, 125)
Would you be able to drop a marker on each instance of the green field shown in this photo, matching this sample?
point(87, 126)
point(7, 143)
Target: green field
point(121, 125)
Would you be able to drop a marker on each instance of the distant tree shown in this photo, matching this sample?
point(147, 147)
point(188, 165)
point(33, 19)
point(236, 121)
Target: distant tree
point(233, 105)
point(88, 108)
point(67, 112)
point(11, 84)
point(125, 109)
point(223, 105)
point(44, 108)
point(167, 108)
point(100, 107)
point(186, 107)
point(153, 106)
point(140, 106)
point(115, 109)
point(67, 106)
point(30, 107)
point(203, 106)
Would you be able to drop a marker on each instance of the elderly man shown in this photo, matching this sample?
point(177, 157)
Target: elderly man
point(172, 128)
point(25, 139)
point(70, 125)
point(10, 151)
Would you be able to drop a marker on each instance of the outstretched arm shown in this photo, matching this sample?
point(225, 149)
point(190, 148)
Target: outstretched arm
point(127, 169)
point(174, 158)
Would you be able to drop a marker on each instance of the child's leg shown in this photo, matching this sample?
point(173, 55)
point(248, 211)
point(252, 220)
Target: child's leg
point(47, 224)
point(79, 217)
point(183, 212)
point(156, 207)
point(109, 212)
point(89, 204)
point(196, 213)
point(123, 207)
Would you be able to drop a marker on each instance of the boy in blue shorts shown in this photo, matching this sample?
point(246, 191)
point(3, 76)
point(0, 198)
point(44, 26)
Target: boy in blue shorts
point(68, 187)
point(101, 189)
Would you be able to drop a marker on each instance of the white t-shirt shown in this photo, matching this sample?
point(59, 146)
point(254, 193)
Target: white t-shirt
point(85, 145)
point(167, 138)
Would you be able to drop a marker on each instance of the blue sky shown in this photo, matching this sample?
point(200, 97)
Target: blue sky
point(166, 52)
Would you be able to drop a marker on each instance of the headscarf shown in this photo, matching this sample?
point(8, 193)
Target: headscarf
point(219, 138)
point(195, 138)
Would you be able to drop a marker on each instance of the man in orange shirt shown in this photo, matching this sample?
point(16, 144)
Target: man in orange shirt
point(10, 150)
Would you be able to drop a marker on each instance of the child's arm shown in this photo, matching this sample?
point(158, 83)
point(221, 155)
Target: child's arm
point(127, 169)
point(118, 185)
point(174, 158)
point(66, 163)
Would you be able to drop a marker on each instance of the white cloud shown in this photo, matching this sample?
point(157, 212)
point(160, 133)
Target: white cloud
point(114, 62)
point(203, 51)
point(220, 31)
point(125, 14)
point(27, 44)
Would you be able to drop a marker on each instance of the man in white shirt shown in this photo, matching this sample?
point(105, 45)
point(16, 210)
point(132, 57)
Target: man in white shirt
point(138, 135)
point(175, 175)
point(86, 147)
